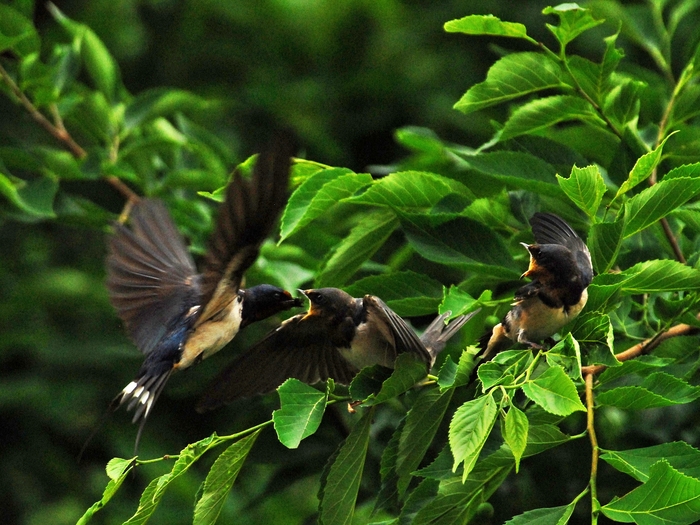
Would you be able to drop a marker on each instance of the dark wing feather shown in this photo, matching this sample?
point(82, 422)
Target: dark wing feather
point(298, 348)
point(404, 336)
point(551, 229)
point(151, 277)
point(246, 218)
point(435, 337)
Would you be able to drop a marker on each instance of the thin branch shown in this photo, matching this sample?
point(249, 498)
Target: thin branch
point(595, 451)
point(673, 241)
point(645, 346)
point(59, 132)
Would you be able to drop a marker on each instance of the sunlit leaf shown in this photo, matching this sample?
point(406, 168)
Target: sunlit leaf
point(585, 187)
point(515, 427)
point(555, 392)
point(469, 428)
point(301, 411)
point(643, 168)
point(573, 20)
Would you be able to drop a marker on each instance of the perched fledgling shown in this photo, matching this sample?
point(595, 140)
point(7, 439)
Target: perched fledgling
point(561, 270)
point(175, 316)
point(337, 337)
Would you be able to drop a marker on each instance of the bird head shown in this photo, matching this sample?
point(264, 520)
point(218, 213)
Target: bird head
point(327, 302)
point(265, 300)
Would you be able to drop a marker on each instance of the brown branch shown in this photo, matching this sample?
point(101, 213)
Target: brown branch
point(672, 241)
point(595, 451)
point(59, 132)
point(645, 346)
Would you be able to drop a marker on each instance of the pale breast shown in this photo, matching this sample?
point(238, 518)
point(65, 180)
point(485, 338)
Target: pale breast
point(370, 346)
point(212, 335)
point(532, 321)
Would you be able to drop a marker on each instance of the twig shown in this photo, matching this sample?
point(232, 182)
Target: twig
point(60, 134)
point(59, 131)
point(672, 241)
point(645, 346)
point(595, 451)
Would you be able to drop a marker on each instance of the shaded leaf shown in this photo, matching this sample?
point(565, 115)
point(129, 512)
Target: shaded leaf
point(407, 372)
point(548, 516)
point(117, 470)
point(639, 461)
point(34, 197)
point(642, 168)
point(657, 390)
point(302, 408)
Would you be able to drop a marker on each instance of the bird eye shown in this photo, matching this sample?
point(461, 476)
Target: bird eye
point(318, 298)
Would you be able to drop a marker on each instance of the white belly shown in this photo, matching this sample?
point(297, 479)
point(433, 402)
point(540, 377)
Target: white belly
point(369, 347)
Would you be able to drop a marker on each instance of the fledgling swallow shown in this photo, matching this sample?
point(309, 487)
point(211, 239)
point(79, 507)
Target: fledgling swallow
point(561, 270)
point(338, 336)
point(175, 316)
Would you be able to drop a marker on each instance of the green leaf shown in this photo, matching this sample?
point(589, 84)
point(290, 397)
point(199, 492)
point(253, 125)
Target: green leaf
point(361, 243)
point(319, 192)
point(407, 293)
point(457, 374)
point(459, 242)
point(544, 113)
point(220, 479)
point(301, 411)
point(654, 203)
point(567, 354)
point(34, 197)
point(544, 437)
point(515, 429)
point(658, 276)
point(17, 32)
point(160, 102)
point(638, 462)
point(594, 330)
point(604, 241)
point(100, 65)
point(469, 428)
point(513, 76)
point(668, 497)
point(657, 390)
point(622, 103)
point(339, 488)
point(487, 25)
point(117, 470)
point(514, 169)
point(154, 492)
point(407, 372)
point(422, 423)
point(548, 516)
point(585, 187)
point(410, 191)
point(643, 168)
point(555, 392)
point(573, 20)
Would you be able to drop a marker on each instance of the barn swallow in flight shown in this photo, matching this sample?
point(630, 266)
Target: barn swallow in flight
point(561, 270)
point(337, 337)
point(175, 316)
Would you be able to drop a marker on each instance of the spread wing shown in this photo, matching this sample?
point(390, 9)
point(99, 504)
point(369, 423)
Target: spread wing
point(551, 229)
point(151, 276)
point(404, 336)
point(245, 220)
point(298, 348)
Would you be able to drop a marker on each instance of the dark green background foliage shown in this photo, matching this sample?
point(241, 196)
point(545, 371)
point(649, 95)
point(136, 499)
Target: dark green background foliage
point(408, 188)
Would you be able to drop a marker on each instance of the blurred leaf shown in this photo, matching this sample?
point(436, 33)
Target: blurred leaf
point(117, 470)
point(221, 477)
point(513, 76)
point(302, 408)
point(643, 168)
point(17, 33)
point(360, 244)
point(318, 193)
point(585, 187)
point(555, 392)
point(469, 428)
point(667, 497)
point(422, 422)
point(159, 102)
point(515, 433)
point(573, 20)
point(408, 370)
point(654, 203)
point(34, 197)
point(622, 103)
point(544, 113)
point(657, 390)
point(98, 61)
point(341, 483)
point(408, 293)
point(639, 461)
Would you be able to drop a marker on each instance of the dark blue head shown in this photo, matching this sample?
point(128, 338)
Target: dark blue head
point(263, 301)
